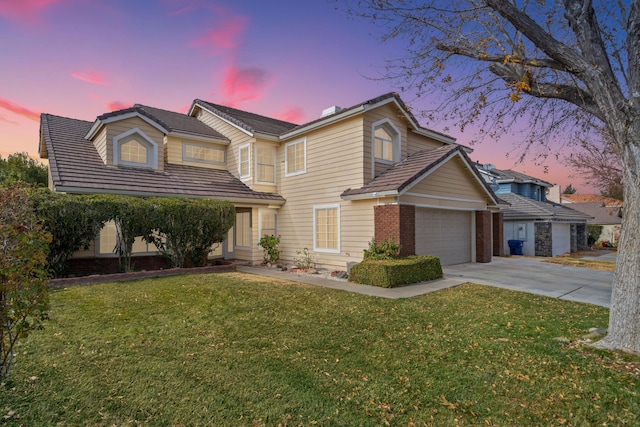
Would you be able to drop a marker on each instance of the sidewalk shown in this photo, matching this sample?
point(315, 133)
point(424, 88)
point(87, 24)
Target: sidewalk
point(407, 291)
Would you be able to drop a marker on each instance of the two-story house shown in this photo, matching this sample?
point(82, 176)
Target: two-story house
point(329, 185)
point(544, 228)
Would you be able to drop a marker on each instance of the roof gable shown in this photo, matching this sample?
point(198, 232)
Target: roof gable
point(167, 122)
point(401, 177)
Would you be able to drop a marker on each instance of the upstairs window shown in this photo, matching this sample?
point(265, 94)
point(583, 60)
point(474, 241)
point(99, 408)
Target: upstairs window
point(295, 158)
point(386, 142)
point(135, 148)
point(244, 161)
point(266, 164)
point(202, 153)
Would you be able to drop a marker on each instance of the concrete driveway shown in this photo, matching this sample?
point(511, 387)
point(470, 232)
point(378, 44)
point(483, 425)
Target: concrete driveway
point(533, 275)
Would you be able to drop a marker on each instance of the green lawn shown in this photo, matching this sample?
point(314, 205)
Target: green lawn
point(232, 349)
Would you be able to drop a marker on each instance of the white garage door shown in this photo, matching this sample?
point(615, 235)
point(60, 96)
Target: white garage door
point(445, 234)
point(561, 236)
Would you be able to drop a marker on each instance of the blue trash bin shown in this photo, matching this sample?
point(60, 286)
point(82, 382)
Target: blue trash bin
point(515, 247)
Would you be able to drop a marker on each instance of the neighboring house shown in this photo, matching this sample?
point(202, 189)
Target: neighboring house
point(605, 211)
point(330, 185)
point(545, 228)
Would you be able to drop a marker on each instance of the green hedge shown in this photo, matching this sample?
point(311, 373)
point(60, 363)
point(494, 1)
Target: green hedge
point(396, 272)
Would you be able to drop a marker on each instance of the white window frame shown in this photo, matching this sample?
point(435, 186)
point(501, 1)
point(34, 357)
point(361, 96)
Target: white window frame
point(205, 146)
point(248, 161)
point(302, 141)
point(315, 234)
point(396, 144)
point(256, 166)
point(150, 145)
point(150, 247)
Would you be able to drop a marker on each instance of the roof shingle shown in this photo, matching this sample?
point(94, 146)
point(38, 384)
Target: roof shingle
point(76, 166)
point(526, 208)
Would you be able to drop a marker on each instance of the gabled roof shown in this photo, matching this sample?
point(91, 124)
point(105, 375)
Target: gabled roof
point(601, 214)
point(168, 122)
point(250, 122)
point(590, 198)
point(76, 167)
point(391, 97)
point(402, 176)
point(507, 175)
point(528, 209)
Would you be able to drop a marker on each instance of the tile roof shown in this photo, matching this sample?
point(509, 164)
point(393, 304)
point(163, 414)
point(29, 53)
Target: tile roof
point(76, 165)
point(170, 120)
point(250, 122)
point(589, 198)
point(508, 175)
point(526, 208)
point(406, 172)
point(601, 213)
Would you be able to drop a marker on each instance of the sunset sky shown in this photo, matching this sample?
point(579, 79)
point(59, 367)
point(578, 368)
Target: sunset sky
point(288, 59)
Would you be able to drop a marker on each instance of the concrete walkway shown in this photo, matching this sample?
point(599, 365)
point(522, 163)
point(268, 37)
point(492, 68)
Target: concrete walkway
point(517, 273)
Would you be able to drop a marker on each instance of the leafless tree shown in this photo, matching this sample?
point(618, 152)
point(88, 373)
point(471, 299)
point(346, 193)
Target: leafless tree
point(556, 68)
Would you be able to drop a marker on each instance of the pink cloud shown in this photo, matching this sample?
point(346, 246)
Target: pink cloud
point(24, 11)
point(116, 105)
point(291, 114)
point(244, 84)
point(19, 110)
point(225, 36)
point(90, 76)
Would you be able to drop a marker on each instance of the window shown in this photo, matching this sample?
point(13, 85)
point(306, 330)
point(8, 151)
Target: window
point(202, 153)
point(326, 228)
point(266, 164)
point(386, 142)
point(135, 148)
point(108, 239)
point(244, 161)
point(268, 223)
point(295, 158)
point(243, 229)
point(133, 151)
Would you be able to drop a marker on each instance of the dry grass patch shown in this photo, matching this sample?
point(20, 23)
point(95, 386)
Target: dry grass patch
point(585, 263)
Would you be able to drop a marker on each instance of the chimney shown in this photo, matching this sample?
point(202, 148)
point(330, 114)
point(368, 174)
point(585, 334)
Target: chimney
point(331, 110)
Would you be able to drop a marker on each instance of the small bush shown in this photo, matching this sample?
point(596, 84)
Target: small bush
point(304, 260)
point(269, 245)
point(397, 272)
point(383, 250)
point(593, 233)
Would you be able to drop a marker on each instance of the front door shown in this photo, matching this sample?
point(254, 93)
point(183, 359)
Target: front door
point(228, 251)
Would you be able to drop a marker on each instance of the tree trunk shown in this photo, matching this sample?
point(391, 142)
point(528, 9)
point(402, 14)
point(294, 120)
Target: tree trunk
point(624, 317)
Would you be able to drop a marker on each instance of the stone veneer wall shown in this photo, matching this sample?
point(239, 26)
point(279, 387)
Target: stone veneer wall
point(543, 239)
point(581, 236)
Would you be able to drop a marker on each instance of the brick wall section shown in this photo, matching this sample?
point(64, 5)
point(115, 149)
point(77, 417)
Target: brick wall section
point(498, 233)
point(397, 222)
point(542, 231)
point(484, 233)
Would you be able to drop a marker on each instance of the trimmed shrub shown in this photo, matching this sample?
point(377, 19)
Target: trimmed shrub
point(396, 272)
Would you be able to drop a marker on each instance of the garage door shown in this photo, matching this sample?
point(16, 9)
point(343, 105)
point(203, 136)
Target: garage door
point(445, 234)
point(561, 238)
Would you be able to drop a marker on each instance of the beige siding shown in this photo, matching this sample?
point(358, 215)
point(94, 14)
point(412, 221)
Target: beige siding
point(417, 143)
point(100, 142)
point(116, 128)
point(174, 152)
point(86, 253)
point(451, 185)
point(238, 138)
point(251, 253)
point(334, 163)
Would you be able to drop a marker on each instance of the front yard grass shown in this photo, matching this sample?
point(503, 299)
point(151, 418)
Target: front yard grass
point(233, 350)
